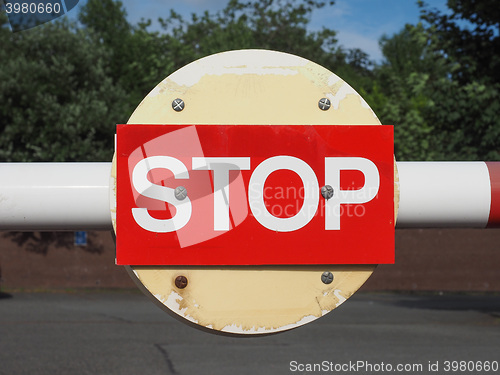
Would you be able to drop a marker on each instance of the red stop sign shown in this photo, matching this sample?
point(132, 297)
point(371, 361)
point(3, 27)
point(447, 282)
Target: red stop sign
point(254, 195)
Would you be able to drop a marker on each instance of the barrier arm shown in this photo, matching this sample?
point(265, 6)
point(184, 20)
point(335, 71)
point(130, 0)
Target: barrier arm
point(75, 196)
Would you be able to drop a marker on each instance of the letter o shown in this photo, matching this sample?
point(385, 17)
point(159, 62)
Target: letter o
point(256, 199)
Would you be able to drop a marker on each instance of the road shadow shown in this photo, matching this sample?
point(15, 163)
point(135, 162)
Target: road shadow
point(5, 295)
point(485, 303)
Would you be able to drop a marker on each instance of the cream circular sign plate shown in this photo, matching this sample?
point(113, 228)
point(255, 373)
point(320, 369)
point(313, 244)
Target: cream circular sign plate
point(253, 271)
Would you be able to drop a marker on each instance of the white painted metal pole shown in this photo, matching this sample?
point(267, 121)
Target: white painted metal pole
point(448, 194)
point(75, 196)
point(54, 196)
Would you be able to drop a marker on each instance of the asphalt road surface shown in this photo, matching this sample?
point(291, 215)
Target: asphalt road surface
point(124, 333)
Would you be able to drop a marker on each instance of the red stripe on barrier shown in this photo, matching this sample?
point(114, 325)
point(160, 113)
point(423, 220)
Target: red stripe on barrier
point(494, 170)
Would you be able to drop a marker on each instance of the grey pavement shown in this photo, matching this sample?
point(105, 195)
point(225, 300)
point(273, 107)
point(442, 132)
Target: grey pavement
point(124, 333)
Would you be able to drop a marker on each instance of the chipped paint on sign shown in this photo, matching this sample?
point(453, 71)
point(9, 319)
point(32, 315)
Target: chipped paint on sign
point(234, 64)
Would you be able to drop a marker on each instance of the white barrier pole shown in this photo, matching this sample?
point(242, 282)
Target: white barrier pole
point(447, 194)
point(54, 196)
point(75, 196)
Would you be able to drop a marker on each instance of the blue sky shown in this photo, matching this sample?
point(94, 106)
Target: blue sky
point(359, 23)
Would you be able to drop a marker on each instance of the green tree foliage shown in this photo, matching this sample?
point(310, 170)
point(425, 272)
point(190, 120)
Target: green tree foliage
point(57, 100)
point(138, 59)
point(469, 37)
point(64, 87)
point(399, 94)
point(439, 82)
point(467, 111)
point(279, 25)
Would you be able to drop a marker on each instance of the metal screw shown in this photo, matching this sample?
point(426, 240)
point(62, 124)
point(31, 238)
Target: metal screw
point(178, 105)
point(324, 104)
point(180, 193)
point(327, 277)
point(327, 192)
point(181, 282)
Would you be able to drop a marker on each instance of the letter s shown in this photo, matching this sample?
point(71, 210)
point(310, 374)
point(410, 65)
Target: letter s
point(162, 193)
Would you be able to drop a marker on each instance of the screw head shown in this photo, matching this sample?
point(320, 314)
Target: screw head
point(180, 193)
point(327, 192)
point(181, 282)
point(324, 104)
point(327, 277)
point(178, 105)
